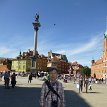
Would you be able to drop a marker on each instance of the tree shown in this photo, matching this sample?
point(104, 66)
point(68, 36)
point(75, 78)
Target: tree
point(86, 71)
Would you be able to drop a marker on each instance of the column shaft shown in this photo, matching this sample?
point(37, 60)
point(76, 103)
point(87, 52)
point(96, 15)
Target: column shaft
point(35, 42)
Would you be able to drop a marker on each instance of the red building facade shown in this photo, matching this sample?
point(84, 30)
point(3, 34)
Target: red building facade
point(99, 67)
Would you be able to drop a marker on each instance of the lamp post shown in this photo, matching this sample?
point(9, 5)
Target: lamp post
point(105, 80)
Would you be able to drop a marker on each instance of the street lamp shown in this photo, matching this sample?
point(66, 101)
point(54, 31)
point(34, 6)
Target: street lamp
point(105, 79)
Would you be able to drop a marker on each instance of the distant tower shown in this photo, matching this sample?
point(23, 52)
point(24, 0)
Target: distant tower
point(50, 54)
point(20, 54)
point(105, 44)
point(92, 61)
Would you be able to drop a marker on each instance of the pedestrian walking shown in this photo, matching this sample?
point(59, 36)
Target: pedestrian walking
point(90, 83)
point(90, 86)
point(13, 80)
point(7, 79)
point(0, 76)
point(52, 93)
point(30, 77)
point(80, 83)
point(86, 84)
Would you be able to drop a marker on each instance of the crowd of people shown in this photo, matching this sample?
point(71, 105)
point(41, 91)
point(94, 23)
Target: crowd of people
point(8, 77)
point(84, 82)
point(52, 92)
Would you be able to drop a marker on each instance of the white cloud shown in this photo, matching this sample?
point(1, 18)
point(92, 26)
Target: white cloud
point(83, 62)
point(7, 52)
point(61, 51)
point(4, 50)
point(85, 51)
point(92, 45)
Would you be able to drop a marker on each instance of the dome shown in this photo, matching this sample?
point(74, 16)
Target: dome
point(105, 34)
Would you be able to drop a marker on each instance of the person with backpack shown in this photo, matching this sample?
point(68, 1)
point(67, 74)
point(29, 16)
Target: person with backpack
point(52, 92)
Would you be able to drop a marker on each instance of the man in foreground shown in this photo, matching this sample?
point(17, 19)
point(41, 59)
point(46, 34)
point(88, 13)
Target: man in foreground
point(52, 93)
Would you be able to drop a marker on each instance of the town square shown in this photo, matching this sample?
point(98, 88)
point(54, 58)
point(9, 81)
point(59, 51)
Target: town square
point(28, 95)
point(53, 53)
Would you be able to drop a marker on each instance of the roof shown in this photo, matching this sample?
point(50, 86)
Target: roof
point(99, 61)
point(5, 58)
point(105, 34)
point(55, 58)
point(60, 56)
point(76, 64)
point(21, 59)
point(3, 68)
point(64, 58)
point(55, 54)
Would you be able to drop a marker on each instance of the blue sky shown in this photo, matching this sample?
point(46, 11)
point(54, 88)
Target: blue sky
point(78, 33)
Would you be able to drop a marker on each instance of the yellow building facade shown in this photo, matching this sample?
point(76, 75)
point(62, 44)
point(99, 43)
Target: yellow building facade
point(21, 65)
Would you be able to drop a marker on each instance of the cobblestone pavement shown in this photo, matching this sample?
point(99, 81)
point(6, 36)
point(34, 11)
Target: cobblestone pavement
point(27, 95)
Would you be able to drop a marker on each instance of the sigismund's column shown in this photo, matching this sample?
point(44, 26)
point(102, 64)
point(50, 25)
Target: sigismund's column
point(36, 25)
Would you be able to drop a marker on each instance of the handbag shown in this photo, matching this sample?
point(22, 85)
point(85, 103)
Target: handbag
point(77, 85)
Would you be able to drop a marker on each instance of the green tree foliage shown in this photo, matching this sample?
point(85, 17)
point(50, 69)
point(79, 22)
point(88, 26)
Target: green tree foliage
point(86, 71)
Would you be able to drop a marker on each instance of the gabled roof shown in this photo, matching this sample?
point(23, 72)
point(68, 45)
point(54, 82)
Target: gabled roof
point(99, 61)
point(60, 56)
point(55, 58)
point(76, 64)
point(3, 68)
point(55, 54)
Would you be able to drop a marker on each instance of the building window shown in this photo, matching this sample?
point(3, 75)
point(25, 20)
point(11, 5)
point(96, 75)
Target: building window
point(19, 66)
point(23, 66)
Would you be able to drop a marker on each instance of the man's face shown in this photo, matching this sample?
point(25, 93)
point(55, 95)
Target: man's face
point(53, 75)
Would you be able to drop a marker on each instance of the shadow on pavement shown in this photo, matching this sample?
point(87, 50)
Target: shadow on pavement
point(74, 100)
point(93, 92)
point(29, 97)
